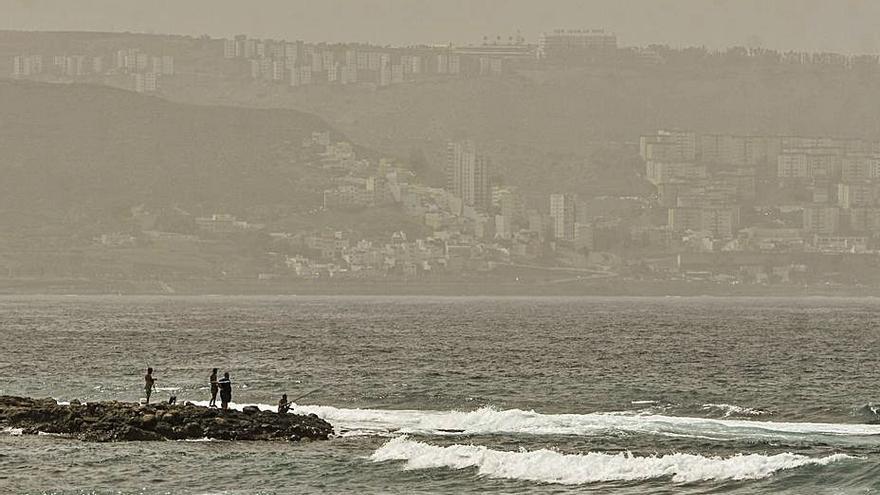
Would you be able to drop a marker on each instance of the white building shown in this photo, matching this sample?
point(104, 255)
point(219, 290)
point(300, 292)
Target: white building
point(229, 49)
point(560, 42)
point(563, 214)
point(467, 175)
point(148, 82)
point(27, 65)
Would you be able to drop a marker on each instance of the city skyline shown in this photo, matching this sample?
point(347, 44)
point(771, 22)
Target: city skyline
point(781, 24)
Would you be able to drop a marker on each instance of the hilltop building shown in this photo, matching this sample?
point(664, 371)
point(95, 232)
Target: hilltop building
point(561, 43)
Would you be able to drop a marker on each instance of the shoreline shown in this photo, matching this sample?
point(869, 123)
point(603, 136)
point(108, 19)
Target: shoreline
point(580, 288)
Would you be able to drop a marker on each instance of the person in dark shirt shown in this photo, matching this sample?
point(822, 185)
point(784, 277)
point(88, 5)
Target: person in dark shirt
point(149, 381)
point(214, 388)
point(283, 405)
point(225, 385)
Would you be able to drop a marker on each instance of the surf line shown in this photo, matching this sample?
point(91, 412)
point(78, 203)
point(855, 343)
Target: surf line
point(550, 466)
point(490, 421)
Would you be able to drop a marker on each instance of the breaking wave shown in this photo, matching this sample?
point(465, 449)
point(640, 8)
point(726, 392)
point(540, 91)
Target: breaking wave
point(728, 410)
point(491, 421)
point(870, 411)
point(514, 421)
point(548, 466)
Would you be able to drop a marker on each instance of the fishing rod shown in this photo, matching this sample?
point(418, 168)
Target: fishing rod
point(291, 401)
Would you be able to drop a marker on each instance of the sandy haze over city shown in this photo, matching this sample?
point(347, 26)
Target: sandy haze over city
point(813, 25)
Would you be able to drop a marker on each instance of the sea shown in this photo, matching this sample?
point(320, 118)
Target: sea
point(462, 395)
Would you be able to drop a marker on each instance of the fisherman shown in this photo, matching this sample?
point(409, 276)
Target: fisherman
point(225, 391)
point(214, 388)
point(283, 405)
point(149, 381)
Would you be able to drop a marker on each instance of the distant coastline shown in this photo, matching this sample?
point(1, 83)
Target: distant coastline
point(611, 288)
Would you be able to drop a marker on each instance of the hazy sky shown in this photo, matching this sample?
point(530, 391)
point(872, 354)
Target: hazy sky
point(849, 26)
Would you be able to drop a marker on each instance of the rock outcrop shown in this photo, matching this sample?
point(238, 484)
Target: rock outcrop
point(123, 421)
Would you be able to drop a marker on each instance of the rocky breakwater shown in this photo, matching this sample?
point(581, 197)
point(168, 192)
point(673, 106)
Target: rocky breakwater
point(124, 421)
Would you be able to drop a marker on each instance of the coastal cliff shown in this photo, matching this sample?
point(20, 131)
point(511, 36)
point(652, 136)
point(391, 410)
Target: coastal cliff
point(123, 421)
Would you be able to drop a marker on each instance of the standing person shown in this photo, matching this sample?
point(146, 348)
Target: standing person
point(214, 388)
point(149, 381)
point(225, 391)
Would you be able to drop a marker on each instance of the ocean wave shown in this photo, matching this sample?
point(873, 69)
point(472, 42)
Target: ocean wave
point(728, 410)
point(12, 431)
point(491, 421)
point(869, 410)
point(548, 466)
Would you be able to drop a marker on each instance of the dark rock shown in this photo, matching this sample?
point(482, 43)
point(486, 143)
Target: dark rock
point(193, 430)
point(148, 421)
point(165, 430)
point(131, 433)
point(120, 421)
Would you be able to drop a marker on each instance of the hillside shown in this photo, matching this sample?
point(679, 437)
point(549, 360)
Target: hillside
point(530, 144)
point(574, 129)
point(78, 162)
point(547, 128)
point(79, 150)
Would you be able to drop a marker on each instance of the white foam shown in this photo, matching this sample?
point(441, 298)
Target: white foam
point(12, 431)
point(549, 466)
point(732, 409)
point(515, 421)
point(490, 421)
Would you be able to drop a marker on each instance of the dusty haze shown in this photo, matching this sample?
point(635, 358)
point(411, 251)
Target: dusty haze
point(439, 246)
point(847, 26)
point(453, 147)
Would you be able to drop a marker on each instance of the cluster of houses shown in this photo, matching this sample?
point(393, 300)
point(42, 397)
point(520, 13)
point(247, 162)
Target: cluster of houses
point(337, 254)
point(790, 200)
point(297, 63)
point(142, 71)
point(456, 237)
point(783, 193)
